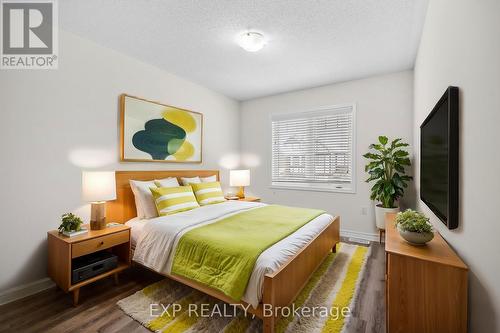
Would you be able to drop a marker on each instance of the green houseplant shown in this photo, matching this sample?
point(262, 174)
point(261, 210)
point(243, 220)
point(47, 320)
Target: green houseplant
point(414, 227)
point(70, 222)
point(386, 167)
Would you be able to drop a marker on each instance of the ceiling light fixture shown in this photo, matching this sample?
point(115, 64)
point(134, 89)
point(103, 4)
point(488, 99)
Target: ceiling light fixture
point(251, 41)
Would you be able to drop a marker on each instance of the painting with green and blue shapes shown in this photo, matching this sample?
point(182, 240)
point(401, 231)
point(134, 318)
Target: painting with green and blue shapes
point(157, 132)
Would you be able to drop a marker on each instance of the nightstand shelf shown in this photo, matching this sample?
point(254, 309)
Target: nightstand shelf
point(121, 266)
point(62, 250)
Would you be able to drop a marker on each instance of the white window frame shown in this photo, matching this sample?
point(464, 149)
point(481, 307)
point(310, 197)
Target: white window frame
point(339, 187)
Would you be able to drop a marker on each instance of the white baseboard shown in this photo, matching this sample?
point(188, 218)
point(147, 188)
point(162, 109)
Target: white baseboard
point(365, 236)
point(24, 290)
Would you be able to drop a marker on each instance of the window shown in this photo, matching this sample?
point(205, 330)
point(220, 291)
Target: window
point(314, 150)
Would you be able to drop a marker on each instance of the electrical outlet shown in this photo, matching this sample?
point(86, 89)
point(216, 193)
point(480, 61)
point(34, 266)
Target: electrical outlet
point(364, 210)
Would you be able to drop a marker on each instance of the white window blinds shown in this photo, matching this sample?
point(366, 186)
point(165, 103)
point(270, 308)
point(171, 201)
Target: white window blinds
point(314, 149)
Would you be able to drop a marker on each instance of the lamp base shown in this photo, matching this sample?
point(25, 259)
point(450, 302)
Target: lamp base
point(241, 193)
point(97, 215)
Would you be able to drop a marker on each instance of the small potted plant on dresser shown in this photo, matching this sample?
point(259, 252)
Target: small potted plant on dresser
point(414, 227)
point(386, 167)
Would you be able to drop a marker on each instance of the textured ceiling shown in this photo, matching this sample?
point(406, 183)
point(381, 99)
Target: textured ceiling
point(311, 42)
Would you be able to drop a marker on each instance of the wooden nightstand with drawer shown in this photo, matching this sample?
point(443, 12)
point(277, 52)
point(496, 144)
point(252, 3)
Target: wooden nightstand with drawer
point(62, 250)
point(250, 199)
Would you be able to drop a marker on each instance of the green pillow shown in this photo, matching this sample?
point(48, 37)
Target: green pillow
point(171, 200)
point(208, 193)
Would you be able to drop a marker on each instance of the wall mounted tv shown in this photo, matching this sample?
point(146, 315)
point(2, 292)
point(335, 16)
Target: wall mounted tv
point(439, 159)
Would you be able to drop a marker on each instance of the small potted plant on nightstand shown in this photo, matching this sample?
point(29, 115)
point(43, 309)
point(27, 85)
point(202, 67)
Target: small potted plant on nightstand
point(414, 227)
point(387, 169)
point(71, 225)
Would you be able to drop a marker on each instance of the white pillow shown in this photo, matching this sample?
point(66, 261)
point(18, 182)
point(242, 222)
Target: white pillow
point(167, 182)
point(209, 179)
point(186, 181)
point(144, 201)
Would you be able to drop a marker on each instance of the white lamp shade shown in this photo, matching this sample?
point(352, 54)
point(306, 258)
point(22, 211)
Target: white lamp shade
point(98, 186)
point(239, 177)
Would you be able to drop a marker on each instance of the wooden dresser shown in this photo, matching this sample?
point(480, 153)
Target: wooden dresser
point(426, 286)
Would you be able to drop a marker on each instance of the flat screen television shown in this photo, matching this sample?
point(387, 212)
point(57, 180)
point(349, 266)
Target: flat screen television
point(439, 159)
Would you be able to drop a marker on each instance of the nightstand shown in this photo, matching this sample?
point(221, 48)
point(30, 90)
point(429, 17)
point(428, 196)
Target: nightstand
point(62, 250)
point(252, 199)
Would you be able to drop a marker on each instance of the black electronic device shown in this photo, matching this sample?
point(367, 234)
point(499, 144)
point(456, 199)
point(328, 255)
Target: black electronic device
point(91, 265)
point(439, 160)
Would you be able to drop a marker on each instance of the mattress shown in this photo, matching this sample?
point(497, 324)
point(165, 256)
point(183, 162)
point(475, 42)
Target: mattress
point(136, 224)
point(155, 241)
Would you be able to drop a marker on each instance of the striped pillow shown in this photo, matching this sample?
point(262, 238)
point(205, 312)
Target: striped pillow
point(208, 193)
point(171, 200)
point(187, 181)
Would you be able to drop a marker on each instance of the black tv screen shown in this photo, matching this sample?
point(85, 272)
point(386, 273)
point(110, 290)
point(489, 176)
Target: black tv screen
point(439, 159)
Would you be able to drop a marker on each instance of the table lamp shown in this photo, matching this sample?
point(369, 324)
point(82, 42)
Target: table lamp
point(239, 178)
point(97, 188)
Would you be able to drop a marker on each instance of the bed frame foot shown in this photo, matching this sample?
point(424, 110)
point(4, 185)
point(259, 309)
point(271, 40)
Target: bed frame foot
point(334, 248)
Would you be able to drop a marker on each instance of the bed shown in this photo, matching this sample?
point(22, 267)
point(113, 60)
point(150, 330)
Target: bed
point(280, 272)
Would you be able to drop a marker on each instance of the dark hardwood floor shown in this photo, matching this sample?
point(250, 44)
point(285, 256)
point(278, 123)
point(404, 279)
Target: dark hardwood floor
point(368, 314)
point(52, 310)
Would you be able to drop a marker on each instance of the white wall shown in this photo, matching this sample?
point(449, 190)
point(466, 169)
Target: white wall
point(55, 123)
point(461, 46)
point(384, 107)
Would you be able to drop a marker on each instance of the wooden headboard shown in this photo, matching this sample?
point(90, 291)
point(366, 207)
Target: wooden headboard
point(123, 208)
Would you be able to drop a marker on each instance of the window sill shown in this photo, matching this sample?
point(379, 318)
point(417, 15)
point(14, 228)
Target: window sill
point(313, 188)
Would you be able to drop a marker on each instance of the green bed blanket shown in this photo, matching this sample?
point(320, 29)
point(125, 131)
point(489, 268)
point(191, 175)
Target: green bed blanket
point(222, 255)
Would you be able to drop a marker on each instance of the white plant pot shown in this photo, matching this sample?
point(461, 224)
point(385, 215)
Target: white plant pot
point(380, 215)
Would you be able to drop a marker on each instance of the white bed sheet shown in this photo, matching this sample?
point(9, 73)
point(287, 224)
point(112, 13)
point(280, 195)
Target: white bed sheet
point(136, 224)
point(156, 240)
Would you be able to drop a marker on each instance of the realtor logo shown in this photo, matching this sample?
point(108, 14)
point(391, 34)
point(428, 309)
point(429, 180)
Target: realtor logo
point(29, 34)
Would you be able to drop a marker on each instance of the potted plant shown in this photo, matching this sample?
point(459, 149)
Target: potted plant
point(70, 223)
point(414, 227)
point(386, 167)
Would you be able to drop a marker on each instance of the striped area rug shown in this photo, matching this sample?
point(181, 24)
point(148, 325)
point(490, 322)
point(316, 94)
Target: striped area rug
point(323, 305)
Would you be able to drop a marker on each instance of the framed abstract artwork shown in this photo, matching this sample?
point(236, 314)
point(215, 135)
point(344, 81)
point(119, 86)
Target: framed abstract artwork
point(155, 132)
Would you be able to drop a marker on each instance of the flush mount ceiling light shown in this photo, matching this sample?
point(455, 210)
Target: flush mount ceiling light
point(251, 41)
